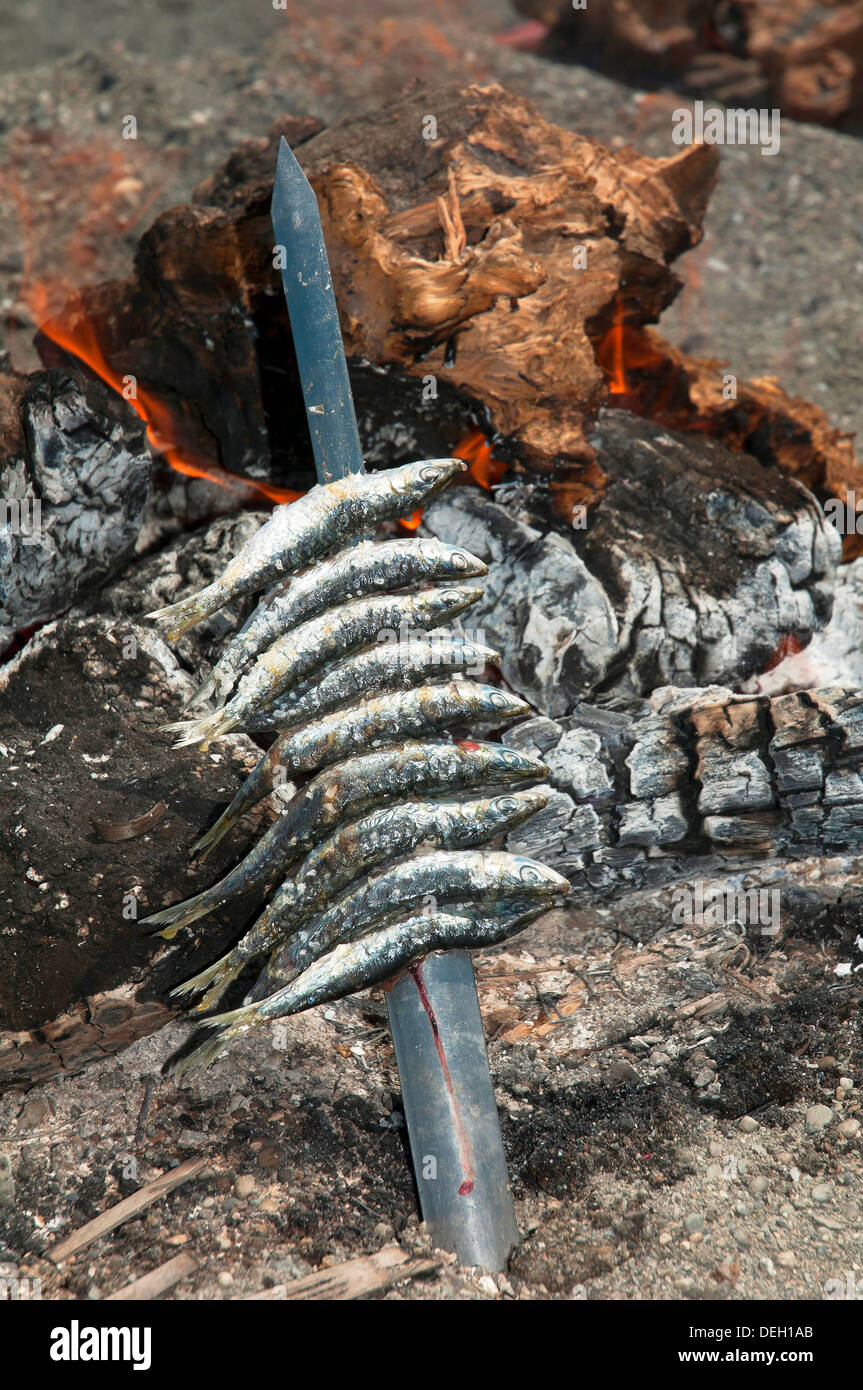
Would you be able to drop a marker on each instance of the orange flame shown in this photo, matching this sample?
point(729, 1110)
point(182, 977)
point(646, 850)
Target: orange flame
point(75, 334)
point(87, 185)
point(624, 350)
point(483, 468)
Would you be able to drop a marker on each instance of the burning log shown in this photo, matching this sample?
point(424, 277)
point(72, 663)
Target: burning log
point(74, 472)
point(654, 379)
point(696, 782)
point(455, 270)
point(698, 565)
point(483, 279)
point(803, 56)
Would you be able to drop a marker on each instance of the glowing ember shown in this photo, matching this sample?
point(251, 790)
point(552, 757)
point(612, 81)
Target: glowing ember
point(789, 645)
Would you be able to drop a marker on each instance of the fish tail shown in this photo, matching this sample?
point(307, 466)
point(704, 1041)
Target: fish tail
point(219, 986)
point(201, 848)
point(179, 617)
point(170, 919)
point(230, 1025)
point(256, 786)
point(201, 1058)
point(218, 976)
point(201, 731)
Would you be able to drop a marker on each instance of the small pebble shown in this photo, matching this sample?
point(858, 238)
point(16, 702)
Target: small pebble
point(225, 1280)
point(849, 1128)
point(384, 1231)
point(826, 1064)
point(846, 1084)
point(747, 1124)
point(818, 1117)
point(244, 1186)
point(488, 1285)
point(704, 1077)
point(786, 1258)
point(821, 1193)
point(620, 1072)
point(758, 1186)
point(666, 1238)
point(693, 1222)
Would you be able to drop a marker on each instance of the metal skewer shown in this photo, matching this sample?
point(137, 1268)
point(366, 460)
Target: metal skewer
point(434, 1013)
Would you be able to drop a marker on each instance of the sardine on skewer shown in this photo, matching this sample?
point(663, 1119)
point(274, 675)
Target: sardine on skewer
point(301, 532)
point(407, 714)
point(442, 876)
point(367, 568)
point(319, 640)
point(345, 856)
point(398, 665)
point(370, 960)
point(341, 793)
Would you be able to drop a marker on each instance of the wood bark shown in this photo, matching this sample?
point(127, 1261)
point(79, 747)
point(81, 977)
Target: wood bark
point(499, 274)
point(695, 783)
point(804, 56)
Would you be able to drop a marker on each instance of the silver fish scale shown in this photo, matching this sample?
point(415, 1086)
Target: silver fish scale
point(356, 848)
point(312, 649)
point(427, 709)
point(396, 666)
point(364, 569)
point(299, 533)
point(442, 877)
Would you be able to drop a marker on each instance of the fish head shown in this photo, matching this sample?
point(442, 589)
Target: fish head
point(476, 657)
point(492, 700)
point(519, 806)
point(537, 879)
point(515, 763)
point(431, 476)
point(450, 601)
point(460, 563)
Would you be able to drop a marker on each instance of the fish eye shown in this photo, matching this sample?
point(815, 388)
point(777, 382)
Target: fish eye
point(431, 473)
point(507, 804)
point(459, 560)
point(529, 874)
point(499, 700)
